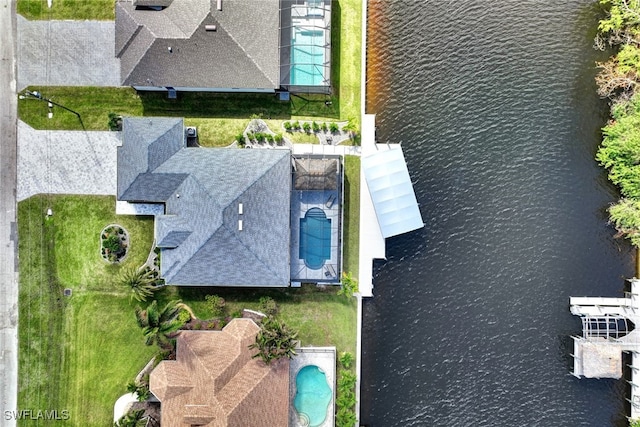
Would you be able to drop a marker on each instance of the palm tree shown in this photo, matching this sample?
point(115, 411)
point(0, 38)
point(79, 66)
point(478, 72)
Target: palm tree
point(141, 281)
point(274, 341)
point(160, 326)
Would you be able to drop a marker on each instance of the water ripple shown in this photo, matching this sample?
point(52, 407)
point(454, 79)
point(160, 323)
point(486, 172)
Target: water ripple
point(494, 104)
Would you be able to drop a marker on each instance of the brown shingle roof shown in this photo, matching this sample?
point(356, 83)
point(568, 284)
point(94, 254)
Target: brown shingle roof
point(214, 381)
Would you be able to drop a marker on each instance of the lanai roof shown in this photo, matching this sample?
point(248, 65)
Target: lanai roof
point(204, 238)
point(172, 47)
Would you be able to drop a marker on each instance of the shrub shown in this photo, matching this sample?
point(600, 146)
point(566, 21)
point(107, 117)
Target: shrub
point(216, 305)
point(307, 127)
point(278, 138)
point(315, 126)
point(287, 126)
point(115, 122)
point(112, 243)
point(346, 399)
point(296, 125)
point(240, 139)
point(333, 127)
point(324, 127)
point(346, 359)
point(268, 306)
point(349, 285)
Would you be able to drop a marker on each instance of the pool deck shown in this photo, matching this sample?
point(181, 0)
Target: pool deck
point(325, 359)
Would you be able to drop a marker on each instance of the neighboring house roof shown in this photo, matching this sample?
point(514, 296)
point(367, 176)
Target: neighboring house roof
point(214, 381)
point(200, 236)
point(172, 48)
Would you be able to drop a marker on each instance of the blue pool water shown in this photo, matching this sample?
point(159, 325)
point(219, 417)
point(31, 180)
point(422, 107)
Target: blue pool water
point(313, 394)
point(315, 238)
point(307, 58)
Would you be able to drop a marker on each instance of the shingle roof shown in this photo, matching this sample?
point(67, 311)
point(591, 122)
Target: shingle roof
point(243, 52)
point(200, 237)
point(215, 382)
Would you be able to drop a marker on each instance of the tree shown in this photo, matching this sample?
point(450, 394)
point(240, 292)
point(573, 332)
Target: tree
point(274, 341)
point(141, 281)
point(349, 285)
point(625, 216)
point(620, 149)
point(613, 81)
point(160, 326)
point(621, 24)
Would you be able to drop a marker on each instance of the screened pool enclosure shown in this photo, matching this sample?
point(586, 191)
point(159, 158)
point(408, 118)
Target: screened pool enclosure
point(305, 45)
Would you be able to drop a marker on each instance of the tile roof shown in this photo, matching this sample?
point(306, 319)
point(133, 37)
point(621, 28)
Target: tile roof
point(215, 382)
point(172, 48)
point(200, 236)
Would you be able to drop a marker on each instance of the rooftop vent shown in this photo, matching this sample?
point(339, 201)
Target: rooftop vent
point(239, 225)
point(219, 4)
point(240, 210)
point(210, 27)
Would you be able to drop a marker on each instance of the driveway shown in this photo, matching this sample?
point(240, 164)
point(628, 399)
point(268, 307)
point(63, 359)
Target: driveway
point(66, 162)
point(67, 53)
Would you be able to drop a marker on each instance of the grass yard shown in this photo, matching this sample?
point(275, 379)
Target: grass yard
point(346, 49)
point(101, 10)
point(319, 315)
point(351, 243)
point(75, 353)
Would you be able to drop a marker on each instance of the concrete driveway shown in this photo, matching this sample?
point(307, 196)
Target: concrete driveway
point(67, 53)
point(66, 162)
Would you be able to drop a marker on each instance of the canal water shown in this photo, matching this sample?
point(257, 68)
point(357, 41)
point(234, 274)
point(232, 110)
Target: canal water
point(494, 103)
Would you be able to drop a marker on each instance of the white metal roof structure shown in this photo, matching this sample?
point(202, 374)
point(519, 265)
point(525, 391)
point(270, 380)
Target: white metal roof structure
point(391, 191)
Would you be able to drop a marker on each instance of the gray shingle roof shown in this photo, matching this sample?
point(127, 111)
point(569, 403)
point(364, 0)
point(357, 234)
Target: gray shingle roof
point(200, 237)
point(243, 52)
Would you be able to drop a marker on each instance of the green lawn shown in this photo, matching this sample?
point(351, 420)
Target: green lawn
point(76, 353)
point(346, 48)
point(321, 316)
point(351, 243)
point(102, 10)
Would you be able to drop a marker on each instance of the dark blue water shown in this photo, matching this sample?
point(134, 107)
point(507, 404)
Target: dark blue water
point(495, 105)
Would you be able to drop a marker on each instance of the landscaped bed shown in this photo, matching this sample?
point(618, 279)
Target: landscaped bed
point(79, 352)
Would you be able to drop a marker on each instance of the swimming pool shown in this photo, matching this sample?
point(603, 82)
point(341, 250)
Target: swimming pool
point(313, 395)
point(315, 238)
point(307, 58)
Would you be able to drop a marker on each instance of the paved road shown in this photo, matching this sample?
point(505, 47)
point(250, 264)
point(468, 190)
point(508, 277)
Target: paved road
point(8, 232)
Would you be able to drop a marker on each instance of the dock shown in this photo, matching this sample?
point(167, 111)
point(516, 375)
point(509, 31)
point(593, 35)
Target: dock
point(608, 330)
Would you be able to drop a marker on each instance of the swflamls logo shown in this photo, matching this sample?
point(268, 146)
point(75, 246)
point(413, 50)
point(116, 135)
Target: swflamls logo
point(37, 414)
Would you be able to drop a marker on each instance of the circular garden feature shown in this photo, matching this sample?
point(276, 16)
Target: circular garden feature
point(114, 243)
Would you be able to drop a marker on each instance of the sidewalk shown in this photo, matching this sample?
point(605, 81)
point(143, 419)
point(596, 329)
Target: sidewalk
point(8, 228)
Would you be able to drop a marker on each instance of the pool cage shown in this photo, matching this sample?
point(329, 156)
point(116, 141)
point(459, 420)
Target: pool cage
point(305, 46)
point(316, 219)
point(606, 327)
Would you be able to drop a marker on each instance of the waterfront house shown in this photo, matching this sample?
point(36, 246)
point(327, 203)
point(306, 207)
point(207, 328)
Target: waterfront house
point(224, 45)
point(232, 217)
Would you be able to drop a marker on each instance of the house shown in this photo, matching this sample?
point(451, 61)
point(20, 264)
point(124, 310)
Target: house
point(224, 45)
point(226, 211)
point(214, 381)
point(233, 217)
